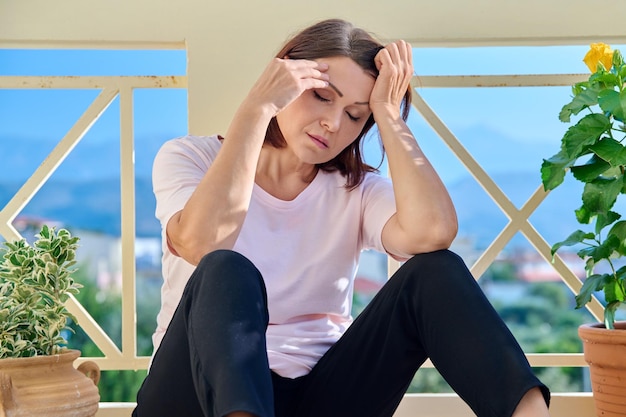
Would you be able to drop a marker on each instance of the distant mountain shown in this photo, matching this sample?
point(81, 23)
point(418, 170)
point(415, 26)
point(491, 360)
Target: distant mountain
point(84, 191)
point(90, 205)
point(95, 205)
point(88, 161)
point(480, 218)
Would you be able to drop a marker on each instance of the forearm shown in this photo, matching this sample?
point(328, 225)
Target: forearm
point(425, 213)
point(212, 218)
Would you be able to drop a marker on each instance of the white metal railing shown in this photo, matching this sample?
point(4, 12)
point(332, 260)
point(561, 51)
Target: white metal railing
point(110, 88)
point(518, 218)
point(123, 86)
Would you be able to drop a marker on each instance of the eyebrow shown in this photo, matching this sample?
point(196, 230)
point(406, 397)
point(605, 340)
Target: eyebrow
point(331, 85)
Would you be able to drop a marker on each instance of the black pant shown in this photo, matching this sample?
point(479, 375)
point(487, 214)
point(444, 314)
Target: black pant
point(212, 359)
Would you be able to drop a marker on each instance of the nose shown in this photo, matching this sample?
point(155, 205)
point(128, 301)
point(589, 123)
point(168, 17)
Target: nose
point(331, 120)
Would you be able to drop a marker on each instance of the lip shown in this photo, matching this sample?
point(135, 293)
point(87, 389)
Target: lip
point(320, 141)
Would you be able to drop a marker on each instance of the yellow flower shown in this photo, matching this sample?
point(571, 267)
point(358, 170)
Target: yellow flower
point(599, 52)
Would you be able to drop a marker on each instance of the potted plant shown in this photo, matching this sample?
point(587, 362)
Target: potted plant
point(37, 376)
point(592, 150)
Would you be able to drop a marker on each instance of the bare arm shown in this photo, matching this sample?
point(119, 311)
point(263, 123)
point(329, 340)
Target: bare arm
point(212, 217)
point(425, 218)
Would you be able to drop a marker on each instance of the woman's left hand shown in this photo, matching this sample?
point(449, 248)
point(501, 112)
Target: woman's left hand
point(395, 66)
point(425, 218)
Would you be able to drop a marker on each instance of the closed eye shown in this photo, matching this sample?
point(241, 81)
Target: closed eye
point(353, 118)
point(320, 98)
point(326, 100)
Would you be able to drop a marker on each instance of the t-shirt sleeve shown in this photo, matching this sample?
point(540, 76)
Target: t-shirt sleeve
point(178, 167)
point(378, 206)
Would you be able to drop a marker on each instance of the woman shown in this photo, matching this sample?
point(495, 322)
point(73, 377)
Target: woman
point(262, 231)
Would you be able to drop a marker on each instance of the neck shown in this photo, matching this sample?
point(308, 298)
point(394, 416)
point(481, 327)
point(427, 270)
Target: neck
point(280, 164)
point(282, 174)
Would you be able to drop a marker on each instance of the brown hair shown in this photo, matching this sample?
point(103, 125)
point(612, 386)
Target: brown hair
point(332, 38)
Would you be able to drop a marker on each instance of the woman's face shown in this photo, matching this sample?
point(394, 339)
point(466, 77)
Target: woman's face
point(321, 123)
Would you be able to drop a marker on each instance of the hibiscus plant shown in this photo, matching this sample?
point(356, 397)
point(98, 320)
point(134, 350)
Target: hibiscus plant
point(592, 149)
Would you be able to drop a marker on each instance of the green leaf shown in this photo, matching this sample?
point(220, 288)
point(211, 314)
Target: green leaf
point(599, 196)
point(614, 103)
point(618, 230)
point(610, 151)
point(45, 232)
point(618, 59)
point(575, 238)
point(613, 291)
point(592, 284)
point(603, 80)
point(584, 98)
point(583, 134)
point(583, 216)
point(601, 251)
point(621, 274)
point(553, 170)
point(591, 169)
point(604, 220)
point(622, 72)
point(609, 314)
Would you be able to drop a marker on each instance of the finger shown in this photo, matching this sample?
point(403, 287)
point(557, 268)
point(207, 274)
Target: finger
point(311, 69)
point(404, 61)
point(394, 51)
point(399, 50)
point(382, 57)
point(313, 83)
point(306, 64)
point(407, 52)
point(404, 55)
point(320, 73)
point(312, 75)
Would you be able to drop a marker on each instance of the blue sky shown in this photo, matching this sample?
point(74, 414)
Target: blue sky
point(42, 117)
point(29, 113)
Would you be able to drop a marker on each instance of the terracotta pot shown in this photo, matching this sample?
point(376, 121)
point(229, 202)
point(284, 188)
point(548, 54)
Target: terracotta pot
point(48, 386)
point(605, 352)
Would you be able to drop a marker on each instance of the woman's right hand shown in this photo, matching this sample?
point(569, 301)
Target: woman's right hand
point(284, 80)
point(214, 214)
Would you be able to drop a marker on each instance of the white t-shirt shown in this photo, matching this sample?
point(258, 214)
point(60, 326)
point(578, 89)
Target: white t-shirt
point(307, 250)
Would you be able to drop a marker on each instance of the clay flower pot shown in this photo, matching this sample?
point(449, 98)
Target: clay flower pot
point(48, 386)
point(605, 352)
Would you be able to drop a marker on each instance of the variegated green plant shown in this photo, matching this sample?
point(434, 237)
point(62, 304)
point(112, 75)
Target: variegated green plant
point(35, 282)
point(593, 151)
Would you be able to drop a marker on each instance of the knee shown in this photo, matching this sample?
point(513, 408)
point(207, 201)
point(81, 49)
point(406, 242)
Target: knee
point(439, 260)
point(226, 268)
point(223, 259)
point(441, 268)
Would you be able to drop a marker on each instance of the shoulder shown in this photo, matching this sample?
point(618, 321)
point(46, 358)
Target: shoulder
point(372, 179)
point(376, 184)
point(193, 145)
point(184, 157)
